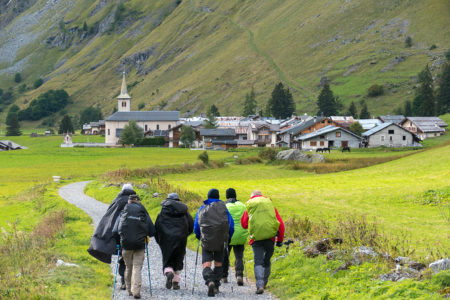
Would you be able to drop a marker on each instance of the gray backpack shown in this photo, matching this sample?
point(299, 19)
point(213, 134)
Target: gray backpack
point(214, 227)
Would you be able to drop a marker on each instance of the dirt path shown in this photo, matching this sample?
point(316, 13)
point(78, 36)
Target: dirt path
point(74, 193)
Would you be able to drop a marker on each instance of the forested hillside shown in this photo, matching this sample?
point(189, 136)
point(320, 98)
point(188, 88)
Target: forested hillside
point(190, 54)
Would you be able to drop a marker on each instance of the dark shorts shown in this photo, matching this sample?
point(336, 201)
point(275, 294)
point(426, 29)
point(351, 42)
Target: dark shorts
point(208, 256)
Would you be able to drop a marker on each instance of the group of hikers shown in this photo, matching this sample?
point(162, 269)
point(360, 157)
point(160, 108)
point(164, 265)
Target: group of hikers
point(219, 226)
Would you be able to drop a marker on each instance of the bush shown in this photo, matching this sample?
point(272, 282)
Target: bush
point(375, 90)
point(154, 141)
point(408, 42)
point(141, 106)
point(17, 78)
point(433, 47)
point(37, 83)
point(204, 157)
point(268, 154)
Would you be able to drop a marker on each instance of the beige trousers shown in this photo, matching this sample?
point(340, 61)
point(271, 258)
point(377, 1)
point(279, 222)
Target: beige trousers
point(133, 272)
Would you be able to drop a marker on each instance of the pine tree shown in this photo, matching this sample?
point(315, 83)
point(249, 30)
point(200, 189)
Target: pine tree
point(408, 109)
point(66, 125)
point(131, 134)
point(427, 105)
point(17, 78)
point(281, 105)
point(364, 111)
point(249, 104)
point(213, 111)
point(443, 100)
point(328, 106)
point(13, 125)
point(352, 110)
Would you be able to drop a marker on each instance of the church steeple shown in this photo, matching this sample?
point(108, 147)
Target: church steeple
point(124, 100)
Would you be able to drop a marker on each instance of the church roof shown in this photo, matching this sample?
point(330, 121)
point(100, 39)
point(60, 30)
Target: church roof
point(123, 89)
point(156, 115)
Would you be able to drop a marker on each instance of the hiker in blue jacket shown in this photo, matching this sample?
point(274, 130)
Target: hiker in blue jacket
point(214, 227)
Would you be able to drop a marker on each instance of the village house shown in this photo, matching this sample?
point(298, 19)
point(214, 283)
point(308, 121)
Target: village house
point(150, 121)
point(425, 127)
point(329, 137)
point(287, 138)
point(263, 133)
point(175, 134)
point(219, 139)
point(390, 135)
point(94, 128)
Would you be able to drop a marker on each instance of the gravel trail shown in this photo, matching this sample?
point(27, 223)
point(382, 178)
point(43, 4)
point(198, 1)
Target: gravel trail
point(73, 193)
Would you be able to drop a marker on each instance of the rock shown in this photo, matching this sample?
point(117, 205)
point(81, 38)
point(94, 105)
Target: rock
point(278, 258)
point(323, 81)
point(317, 248)
point(406, 261)
point(311, 251)
point(401, 273)
point(417, 266)
point(363, 254)
point(333, 254)
point(60, 263)
point(155, 195)
point(297, 155)
point(440, 265)
point(345, 266)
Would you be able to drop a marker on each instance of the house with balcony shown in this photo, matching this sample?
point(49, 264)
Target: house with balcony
point(263, 134)
point(425, 127)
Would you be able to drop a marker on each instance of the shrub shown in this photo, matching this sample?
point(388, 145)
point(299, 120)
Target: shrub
point(375, 90)
point(408, 42)
point(204, 157)
point(141, 106)
point(433, 47)
point(268, 154)
point(38, 82)
point(154, 141)
point(17, 78)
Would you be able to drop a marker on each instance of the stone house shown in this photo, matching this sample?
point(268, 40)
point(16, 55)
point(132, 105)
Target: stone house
point(263, 134)
point(220, 139)
point(149, 121)
point(389, 135)
point(329, 137)
point(425, 127)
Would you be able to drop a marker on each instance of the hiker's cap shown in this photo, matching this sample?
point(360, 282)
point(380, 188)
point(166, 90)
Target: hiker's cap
point(213, 194)
point(173, 196)
point(127, 186)
point(231, 193)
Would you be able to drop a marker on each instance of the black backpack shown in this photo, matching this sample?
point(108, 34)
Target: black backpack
point(214, 227)
point(133, 227)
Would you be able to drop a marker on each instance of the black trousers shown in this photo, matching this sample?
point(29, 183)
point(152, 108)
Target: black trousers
point(175, 260)
point(210, 274)
point(239, 260)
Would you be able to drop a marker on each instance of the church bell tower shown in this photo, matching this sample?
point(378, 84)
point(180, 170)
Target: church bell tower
point(124, 100)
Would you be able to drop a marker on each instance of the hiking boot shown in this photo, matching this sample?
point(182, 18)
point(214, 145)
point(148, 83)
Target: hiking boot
point(211, 288)
point(169, 276)
point(175, 285)
point(216, 290)
point(240, 281)
point(259, 290)
point(225, 279)
point(123, 286)
point(137, 296)
point(130, 293)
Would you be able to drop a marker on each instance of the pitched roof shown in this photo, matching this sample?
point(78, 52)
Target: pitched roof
point(217, 132)
point(381, 127)
point(369, 123)
point(325, 130)
point(259, 124)
point(299, 127)
point(12, 145)
point(428, 124)
point(144, 116)
point(392, 119)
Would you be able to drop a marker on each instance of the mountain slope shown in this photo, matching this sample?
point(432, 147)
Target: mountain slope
point(190, 54)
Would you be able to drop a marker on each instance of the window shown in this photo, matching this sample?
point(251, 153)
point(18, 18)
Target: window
point(244, 137)
point(170, 126)
point(404, 137)
point(146, 127)
point(391, 131)
point(109, 131)
point(338, 134)
point(157, 126)
point(124, 104)
point(322, 136)
point(390, 138)
point(322, 143)
point(382, 138)
point(313, 144)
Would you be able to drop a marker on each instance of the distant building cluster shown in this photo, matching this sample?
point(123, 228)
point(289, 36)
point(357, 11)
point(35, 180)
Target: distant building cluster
point(299, 132)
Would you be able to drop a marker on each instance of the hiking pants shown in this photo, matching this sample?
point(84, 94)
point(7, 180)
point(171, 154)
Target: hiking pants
point(238, 263)
point(208, 273)
point(134, 260)
point(175, 263)
point(262, 253)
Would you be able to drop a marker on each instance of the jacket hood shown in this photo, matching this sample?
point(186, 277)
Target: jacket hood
point(231, 200)
point(127, 192)
point(174, 207)
point(209, 201)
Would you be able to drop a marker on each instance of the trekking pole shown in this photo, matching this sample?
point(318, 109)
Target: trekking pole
point(195, 270)
point(148, 268)
point(185, 271)
point(117, 268)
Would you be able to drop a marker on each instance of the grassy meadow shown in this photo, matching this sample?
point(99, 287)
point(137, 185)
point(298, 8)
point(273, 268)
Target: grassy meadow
point(388, 194)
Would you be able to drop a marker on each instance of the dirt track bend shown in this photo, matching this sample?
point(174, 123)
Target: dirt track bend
point(74, 194)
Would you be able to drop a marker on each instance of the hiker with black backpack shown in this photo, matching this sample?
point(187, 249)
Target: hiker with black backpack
point(103, 242)
point(213, 226)
point(134, 226)
point(173, 226)
point(265, 228)
point(236, 209)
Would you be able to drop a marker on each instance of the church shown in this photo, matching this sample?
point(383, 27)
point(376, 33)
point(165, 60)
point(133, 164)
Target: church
point(147, 120)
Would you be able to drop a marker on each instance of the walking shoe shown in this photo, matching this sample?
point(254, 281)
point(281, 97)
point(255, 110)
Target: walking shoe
point(169, 276)
point(123, 286)
point(175, 285)
point(240, 281)
point(130, 293)
point(259, 290)
point(211, 287)
point(137, 296)
point(225, 279)
point(216, 290)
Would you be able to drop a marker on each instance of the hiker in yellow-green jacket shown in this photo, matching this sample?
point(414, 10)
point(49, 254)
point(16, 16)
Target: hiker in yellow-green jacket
point(236, 209)
point(265, 228)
